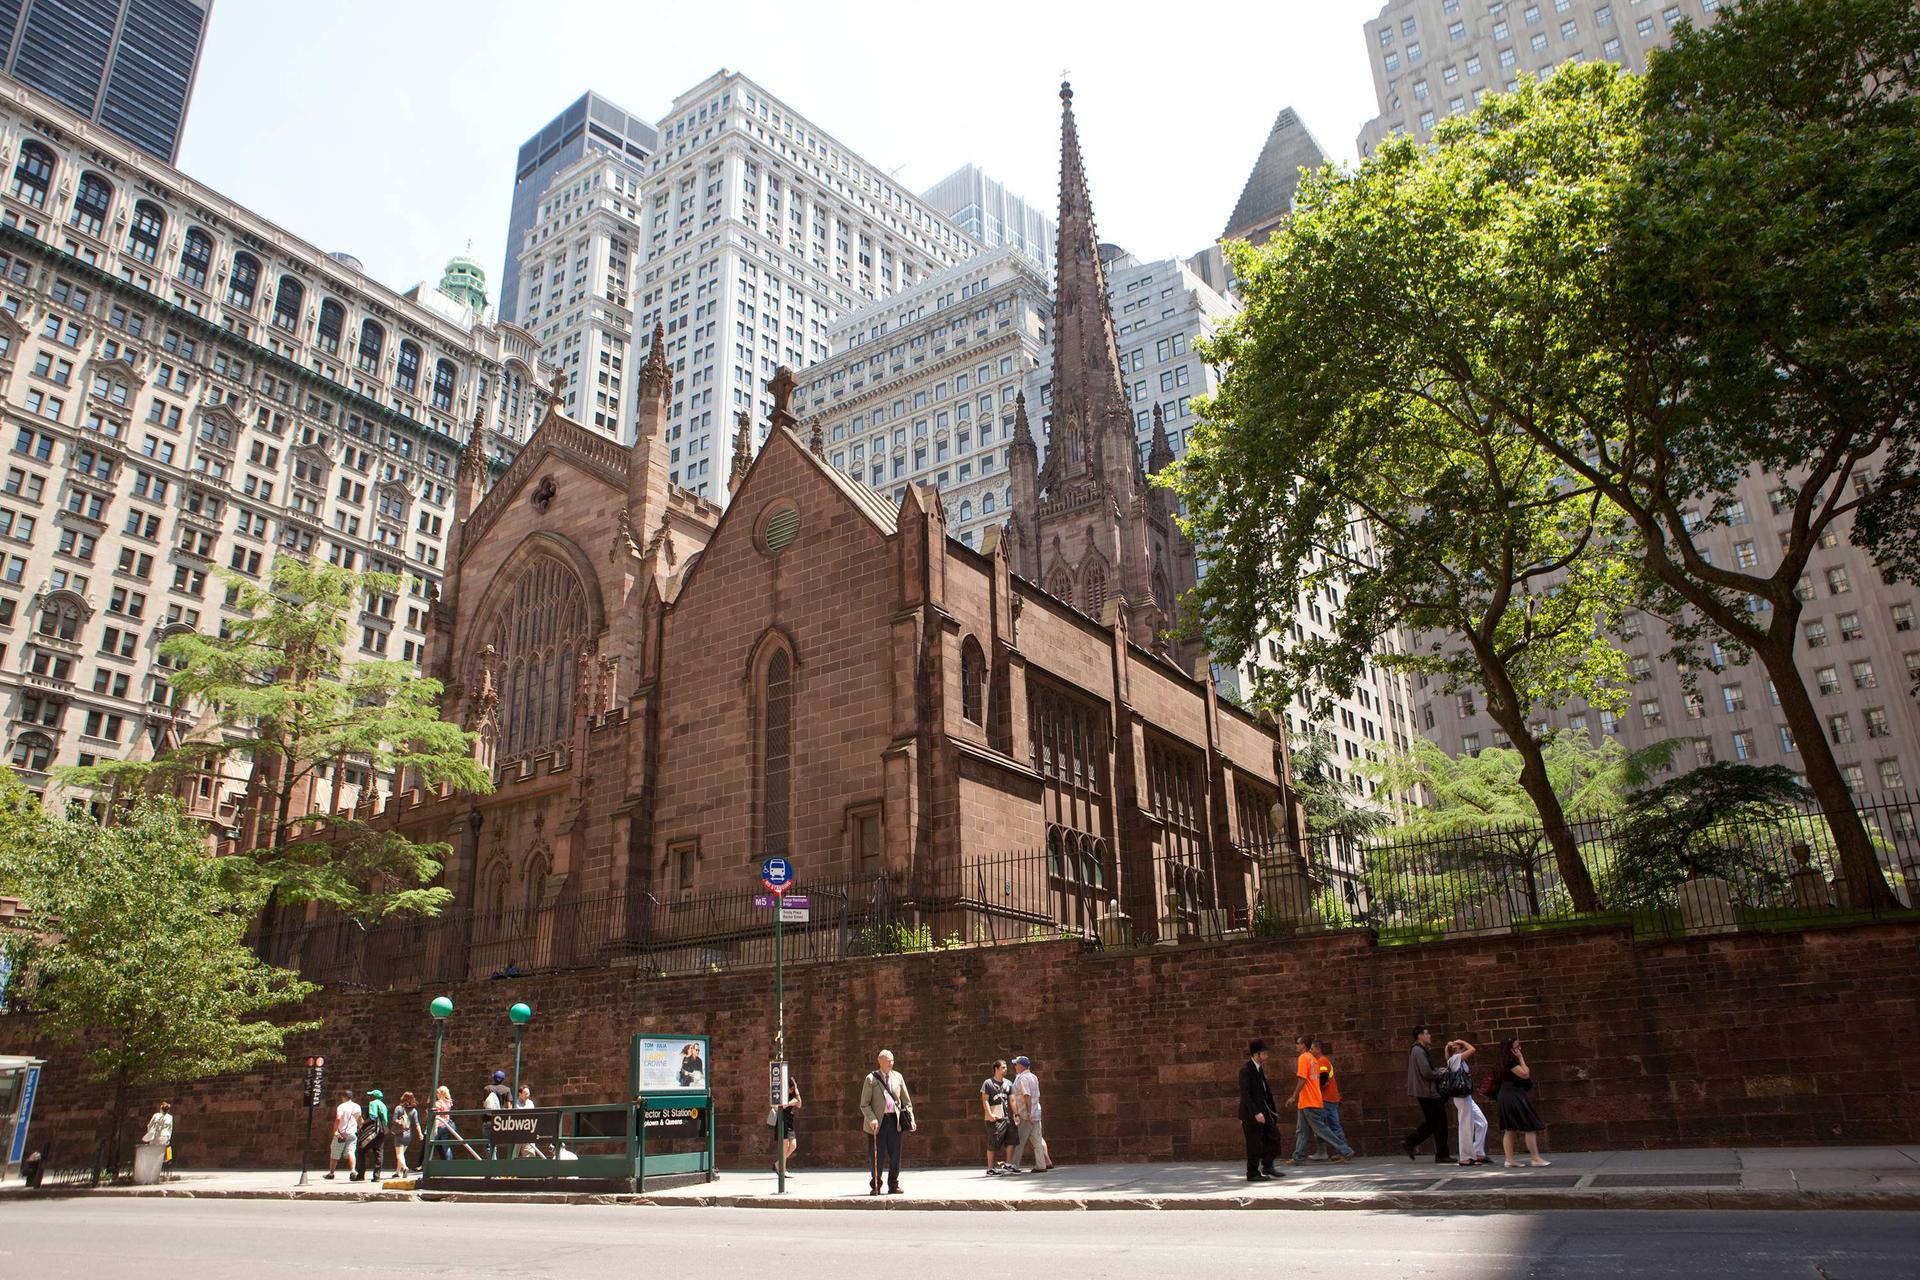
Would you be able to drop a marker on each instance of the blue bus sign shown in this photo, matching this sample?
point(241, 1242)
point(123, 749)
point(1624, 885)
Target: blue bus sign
point(777, 873)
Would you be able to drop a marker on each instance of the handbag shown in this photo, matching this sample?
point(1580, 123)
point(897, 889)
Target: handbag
point(773, 1117)
point(1452, 1083)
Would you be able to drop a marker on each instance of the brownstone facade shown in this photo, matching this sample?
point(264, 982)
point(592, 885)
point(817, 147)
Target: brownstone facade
point(1751, 1039)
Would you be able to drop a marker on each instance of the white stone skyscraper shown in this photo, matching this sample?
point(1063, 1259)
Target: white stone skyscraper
point(759, 230)
point(1436, 58)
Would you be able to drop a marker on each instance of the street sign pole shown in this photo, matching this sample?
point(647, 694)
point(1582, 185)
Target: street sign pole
point(312, 1093)
point(777, 874)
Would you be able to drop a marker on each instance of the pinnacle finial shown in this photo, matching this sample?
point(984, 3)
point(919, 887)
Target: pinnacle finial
point(655, 370)
point(1066, 92)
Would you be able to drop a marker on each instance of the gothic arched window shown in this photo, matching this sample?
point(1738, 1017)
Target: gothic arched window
point(973, 682)
point(537, 631)
point(1060, 584)
point(1093, 588)
point(776, 752)
point(143, 238)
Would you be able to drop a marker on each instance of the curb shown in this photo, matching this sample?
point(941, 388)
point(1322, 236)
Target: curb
point(1730, 1199)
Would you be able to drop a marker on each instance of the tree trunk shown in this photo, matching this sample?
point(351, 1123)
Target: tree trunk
point(1859, 861)
point(1553, 819)
point(108, 1139)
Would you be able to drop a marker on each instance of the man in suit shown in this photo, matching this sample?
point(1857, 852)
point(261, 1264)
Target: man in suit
point(1259, 1119)
point(888, 1111)
point(1421, 1076)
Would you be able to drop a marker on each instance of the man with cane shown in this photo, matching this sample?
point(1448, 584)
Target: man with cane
point(888, 1111)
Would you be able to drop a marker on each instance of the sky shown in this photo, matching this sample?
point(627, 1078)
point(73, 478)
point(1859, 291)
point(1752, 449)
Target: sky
point(388, 128)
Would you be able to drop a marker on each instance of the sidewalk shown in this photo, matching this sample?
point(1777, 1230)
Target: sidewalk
point(1730, 1178)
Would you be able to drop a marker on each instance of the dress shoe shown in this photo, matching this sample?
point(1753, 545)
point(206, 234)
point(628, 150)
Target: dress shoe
point(1258, 1177)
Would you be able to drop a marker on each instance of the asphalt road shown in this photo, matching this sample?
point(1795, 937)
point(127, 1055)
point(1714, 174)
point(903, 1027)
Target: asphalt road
point(216, 1239)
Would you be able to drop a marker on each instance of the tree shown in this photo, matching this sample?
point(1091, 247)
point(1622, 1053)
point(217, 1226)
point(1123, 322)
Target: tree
point(1342, 459)
point(284, 700)
point(1470, 819)
point(143, 960)
point(1717, 820)
point(1331, 811)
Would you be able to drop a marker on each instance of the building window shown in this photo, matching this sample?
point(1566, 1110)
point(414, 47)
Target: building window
point(1829, 679)
point(1816, 633)
point(333, 322)
point(776, 753)
point(1734, 696)
point(1840, 728)
point(33, 175)
point(1849, 626)
point(196, 258)
point(286, 304)
point(1837, 582)
point(372, 338)
point(1743, 745)
point(1863, 675)
point(407, 374)
point(1891, 778)
point(143, 238)
point(973, 682)
point(33, 751)
point(90, 205)
point(1877, 726)
point(443, 376)
point(243, 281)
point(1902, 617)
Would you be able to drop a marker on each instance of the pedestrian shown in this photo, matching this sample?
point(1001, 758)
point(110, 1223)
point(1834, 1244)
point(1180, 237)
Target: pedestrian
point(525, 1102)
point(1026, 1118)
point(443, 1127)
point(888, 1111)
point(1512, 1088)
point(373, 1137)
point(1259, 1118)
point(1310, 1118)
point(346, 1133)
point(1471, 1139)
point(1421, 1088)
point(160, 1132)
point(405, 1127)
point(996, 1106)
point(783, 1150)
point(498, 1097)
point(1329, 1090)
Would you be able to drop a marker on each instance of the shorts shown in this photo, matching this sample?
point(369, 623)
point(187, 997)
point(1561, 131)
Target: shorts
point(342, 1148)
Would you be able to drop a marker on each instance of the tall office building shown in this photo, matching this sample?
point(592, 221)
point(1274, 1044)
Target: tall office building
point(981, 206)
point(923, 387)
point(590, 125)
point(1437, 58)
point(190, 389)
point(128, 65)
point(760, 232)
point(576, 281)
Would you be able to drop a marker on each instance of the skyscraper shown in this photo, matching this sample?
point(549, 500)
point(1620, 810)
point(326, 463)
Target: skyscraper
point(590, 124)
point(126, 64)
point(761, 230)
point(1437, 58)
point(981, 206)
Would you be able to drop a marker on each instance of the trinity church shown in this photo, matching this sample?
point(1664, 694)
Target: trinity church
point(668, 692)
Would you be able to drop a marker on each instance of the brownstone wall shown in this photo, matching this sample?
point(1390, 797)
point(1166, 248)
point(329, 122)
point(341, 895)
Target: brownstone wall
point(1759, 1039)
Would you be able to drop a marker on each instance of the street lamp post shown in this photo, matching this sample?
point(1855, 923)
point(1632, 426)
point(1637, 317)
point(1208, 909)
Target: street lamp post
point(441, 1009)
point(520, 1015)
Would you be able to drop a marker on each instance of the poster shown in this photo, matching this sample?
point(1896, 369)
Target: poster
point(673, 1064)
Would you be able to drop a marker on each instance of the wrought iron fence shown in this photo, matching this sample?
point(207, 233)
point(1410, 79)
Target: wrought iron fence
point(1774, 871)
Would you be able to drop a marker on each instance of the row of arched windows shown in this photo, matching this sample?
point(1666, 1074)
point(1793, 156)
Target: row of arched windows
point(146, 232)
point(1092, 594)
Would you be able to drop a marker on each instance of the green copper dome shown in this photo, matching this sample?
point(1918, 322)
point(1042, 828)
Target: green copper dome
point(465, 281)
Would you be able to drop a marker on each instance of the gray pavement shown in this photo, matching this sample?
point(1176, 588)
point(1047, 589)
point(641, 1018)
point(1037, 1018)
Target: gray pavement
point(158, 1239)
point(1827, 1178)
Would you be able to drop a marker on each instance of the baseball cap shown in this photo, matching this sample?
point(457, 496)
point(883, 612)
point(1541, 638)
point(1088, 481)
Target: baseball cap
point(1023, 1061)
point(499, 1077)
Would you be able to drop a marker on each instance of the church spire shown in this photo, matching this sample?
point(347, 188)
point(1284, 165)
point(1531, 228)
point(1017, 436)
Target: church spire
point(1161, 452)
point(1090, 433)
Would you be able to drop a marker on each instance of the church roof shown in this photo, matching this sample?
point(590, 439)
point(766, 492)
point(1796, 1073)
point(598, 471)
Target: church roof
point(1268, 194)
point(869, 501)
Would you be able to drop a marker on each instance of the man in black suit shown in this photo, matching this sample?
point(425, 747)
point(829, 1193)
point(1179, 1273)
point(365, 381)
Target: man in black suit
point(1259, 1120)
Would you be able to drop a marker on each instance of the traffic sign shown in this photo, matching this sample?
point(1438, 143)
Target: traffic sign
point(314, 1090)
point(776, 1084)
point(794, 915)
point(777, 874)
point(764, 900)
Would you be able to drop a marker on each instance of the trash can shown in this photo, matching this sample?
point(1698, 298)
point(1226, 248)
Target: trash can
point(147, 1159)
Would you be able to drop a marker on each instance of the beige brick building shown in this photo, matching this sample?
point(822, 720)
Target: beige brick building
point(186, 389)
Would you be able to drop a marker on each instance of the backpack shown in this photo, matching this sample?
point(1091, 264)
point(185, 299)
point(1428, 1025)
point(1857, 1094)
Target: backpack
point(1451, 1083)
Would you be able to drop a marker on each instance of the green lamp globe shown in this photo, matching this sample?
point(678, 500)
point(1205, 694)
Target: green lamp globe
point(441, 1007)
point(520, 1014)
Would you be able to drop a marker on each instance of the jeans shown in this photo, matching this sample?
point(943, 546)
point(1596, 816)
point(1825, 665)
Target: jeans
point(1333, 1122)
point(1311, 1124)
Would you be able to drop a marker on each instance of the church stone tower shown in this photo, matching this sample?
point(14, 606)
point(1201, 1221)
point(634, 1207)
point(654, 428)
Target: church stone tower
point(1087, 526)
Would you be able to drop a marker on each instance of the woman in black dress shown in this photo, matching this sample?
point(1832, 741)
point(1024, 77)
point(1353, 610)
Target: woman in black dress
point(1512, 1085)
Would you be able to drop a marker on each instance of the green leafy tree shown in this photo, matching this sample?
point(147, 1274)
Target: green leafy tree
point(1331, 810)
point(1467, 822)
point(143, 959)
point(283, 700)
point(1725, 819)
point(1348, 455)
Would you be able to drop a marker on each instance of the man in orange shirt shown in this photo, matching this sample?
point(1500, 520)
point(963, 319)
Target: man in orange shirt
point(1311, 1117)
point(1329, 1088)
